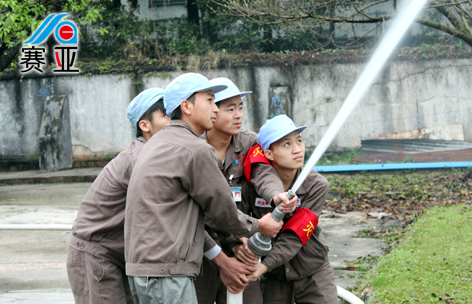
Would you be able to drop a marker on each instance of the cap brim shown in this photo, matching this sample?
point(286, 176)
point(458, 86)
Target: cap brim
point(242, 94)
point(299, 129)
point(215, 88)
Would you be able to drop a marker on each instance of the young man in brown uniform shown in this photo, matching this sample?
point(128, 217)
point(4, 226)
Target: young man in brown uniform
point(297, 269)
point(175, 183)
point(95, 259)
point(231, 144)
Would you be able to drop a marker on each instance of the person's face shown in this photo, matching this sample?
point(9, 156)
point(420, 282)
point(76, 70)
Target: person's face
point(288, 152)
point(231, 115)
point(204, 110)
point(160, 121)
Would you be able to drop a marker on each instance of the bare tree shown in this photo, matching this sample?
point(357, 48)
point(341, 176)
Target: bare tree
point(453, 17)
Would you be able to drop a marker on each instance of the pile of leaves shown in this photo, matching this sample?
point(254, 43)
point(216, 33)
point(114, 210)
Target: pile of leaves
point(401, 195)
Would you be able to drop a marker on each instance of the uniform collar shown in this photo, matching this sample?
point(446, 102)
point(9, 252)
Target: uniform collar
point(238, 143)
point(142, 139)
point(182, 124)
point(235, 146)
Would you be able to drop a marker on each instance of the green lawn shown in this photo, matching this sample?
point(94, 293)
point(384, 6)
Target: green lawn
point(432, 264)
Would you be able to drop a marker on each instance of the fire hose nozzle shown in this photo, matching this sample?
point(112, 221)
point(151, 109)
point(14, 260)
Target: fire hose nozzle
point(261, 244)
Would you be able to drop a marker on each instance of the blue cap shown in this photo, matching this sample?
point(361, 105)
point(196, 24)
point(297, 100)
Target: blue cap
point(275, 129)
point(231, 91)
point(184, 86)
point(141, 103)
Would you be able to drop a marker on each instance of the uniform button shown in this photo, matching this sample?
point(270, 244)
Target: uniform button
point(291, 214)
point(162, 270)
point(78, 244)
point(287, 270)
point(82, 245)
point(171, 270)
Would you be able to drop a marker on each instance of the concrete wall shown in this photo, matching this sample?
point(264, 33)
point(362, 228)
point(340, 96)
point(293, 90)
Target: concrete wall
point(406, 96)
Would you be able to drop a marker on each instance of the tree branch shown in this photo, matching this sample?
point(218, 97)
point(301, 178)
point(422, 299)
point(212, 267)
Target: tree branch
point(284, 12)
point(464, 19)
point(465, 11)
point(255, 14)
point(448, 4)
point(447, 29)
point(451, 17)
point(372, 4)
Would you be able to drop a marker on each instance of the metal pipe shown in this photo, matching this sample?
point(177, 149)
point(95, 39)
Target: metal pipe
point(262, 244)
point(400, 166)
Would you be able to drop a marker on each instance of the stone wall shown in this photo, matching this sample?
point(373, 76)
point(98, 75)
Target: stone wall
point(407, 95)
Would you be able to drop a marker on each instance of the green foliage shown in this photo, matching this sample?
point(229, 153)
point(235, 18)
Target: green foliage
point(409, 159)
point(17, 17)
point(114, 37)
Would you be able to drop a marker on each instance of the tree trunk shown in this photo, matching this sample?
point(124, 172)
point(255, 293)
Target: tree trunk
point(7, 57)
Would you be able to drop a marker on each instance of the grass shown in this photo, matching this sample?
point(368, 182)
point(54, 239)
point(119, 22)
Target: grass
point(433, 261)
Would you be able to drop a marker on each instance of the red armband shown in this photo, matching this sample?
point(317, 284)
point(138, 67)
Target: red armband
point(303, 223)
point(254, 155)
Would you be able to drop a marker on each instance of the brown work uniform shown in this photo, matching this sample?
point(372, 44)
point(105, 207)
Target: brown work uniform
point(174, 185)
point(95, 259)
point(297, 273)
point(208, 284)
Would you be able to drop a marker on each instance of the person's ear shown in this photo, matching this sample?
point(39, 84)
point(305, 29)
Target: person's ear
point(144, 125)
point(186, 107)
point(269, 155)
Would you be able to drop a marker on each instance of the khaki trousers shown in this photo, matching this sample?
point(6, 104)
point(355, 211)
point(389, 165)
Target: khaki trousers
point(96, 280)
point(318, 288)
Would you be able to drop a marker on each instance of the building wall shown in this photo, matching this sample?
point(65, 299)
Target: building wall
point(408, 95)
point(146, 11)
